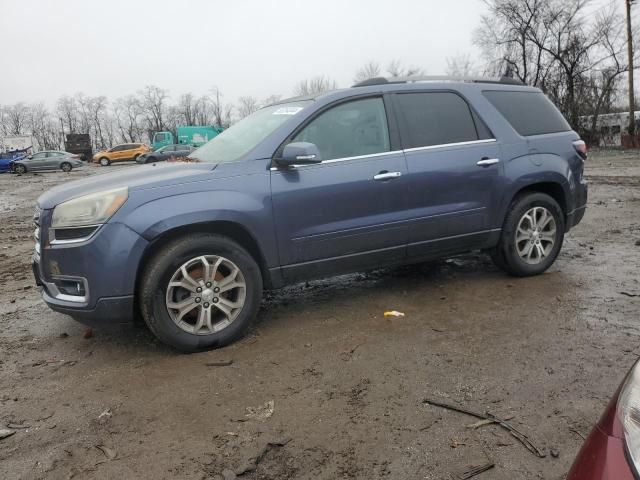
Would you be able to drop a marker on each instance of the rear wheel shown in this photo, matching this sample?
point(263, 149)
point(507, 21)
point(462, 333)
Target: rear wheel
point(20, 169)
point(104, 161)
point(531, 236)
point(201, 291)
point(66, 167)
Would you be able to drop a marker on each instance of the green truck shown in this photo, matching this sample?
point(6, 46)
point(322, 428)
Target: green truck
point(187, 135)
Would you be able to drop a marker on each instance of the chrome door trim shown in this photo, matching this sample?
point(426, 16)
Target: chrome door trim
point(444, 145)
point(344, 159)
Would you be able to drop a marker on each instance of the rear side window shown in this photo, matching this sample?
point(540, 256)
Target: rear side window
point(529, 113)
point(350, 129)
point(436, 118)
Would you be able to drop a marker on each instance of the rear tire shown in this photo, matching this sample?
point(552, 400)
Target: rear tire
point(66, 167)
point(105, 162)
point(532, 235)
point(207, 318)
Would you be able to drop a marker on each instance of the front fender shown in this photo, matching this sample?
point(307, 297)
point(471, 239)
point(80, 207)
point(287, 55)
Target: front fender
point(251, 212)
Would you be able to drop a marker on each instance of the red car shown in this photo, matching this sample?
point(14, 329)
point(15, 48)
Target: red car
point(612, 450)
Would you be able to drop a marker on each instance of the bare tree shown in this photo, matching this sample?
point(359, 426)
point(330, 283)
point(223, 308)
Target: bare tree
point(314, 86)
point(153, 101)
point(396, 69)
point(603, 81)
point(504, 37)
point(460, 66)
point(558, 46)
point(369, 70)
point(43, 127)
point(221, 112)
point(271, 99)
point(128, 112)
point(15, 119)
point(67, 112)
point(204, 112)
point(247, 105)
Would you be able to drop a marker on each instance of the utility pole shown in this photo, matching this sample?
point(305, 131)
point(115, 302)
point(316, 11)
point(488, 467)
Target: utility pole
point(632, 103)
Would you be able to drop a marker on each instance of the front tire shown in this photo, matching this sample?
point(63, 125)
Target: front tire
point(532, 235)
point(66, 167)
point(105, 162)
point(20, 169)
point(200, 291)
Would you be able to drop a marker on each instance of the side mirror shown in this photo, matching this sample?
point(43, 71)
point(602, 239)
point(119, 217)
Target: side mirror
point(300, 153)
point(30, 157)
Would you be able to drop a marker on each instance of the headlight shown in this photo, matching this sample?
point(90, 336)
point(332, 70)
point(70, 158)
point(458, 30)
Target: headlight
point(90, 209)
point(629, 414)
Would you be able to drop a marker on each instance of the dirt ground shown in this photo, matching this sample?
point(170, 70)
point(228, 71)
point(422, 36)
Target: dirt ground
point(325, 387)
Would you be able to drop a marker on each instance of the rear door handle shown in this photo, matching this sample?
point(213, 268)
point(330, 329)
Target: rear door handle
point(485, 162)
point(386, 176)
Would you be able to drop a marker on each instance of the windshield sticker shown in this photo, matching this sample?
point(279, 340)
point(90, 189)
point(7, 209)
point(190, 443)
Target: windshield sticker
point(287, 111)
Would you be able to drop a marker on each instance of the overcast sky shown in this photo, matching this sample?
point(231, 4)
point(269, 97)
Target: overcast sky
point(245, 47)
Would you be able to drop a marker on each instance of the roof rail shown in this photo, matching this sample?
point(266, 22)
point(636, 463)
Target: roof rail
point(437, 78)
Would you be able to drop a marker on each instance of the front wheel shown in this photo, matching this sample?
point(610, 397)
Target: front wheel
point(66, 167)
point(104, 161)
point(20, 169)
point(532, 235)
point(199, 292)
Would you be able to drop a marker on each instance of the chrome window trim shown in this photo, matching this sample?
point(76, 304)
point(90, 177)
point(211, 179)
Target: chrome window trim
point(53, 240)
point(444, 145)
point(391, 152)
point(343, 159)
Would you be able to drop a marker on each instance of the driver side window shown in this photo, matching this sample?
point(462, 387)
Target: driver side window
point(349, 130)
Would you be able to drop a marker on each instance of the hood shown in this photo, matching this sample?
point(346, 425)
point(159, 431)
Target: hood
point(144, 176)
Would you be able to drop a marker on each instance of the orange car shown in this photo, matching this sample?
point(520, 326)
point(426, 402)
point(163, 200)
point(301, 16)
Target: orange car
point(120, 153)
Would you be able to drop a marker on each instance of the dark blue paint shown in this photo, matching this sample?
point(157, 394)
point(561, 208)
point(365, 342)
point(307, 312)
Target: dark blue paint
point(319, 219)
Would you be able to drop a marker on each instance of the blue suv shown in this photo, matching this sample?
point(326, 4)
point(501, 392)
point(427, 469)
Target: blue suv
point(384, 173)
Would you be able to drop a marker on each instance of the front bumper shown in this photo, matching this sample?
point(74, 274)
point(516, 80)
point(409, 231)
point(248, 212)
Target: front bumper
point(111, 310)
point(107, 263)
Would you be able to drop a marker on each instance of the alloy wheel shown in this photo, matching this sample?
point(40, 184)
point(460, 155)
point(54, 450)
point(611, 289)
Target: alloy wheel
point(535, 235)
point(206, 294)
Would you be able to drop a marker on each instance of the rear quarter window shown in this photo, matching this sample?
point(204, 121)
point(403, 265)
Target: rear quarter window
point(437, 118)
point(529, 113)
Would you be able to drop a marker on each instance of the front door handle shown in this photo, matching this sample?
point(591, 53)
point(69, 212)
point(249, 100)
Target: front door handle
point(485, 162)
point(382, 176)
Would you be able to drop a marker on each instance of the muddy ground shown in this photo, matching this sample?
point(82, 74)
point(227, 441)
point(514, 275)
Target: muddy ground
point(346, 384)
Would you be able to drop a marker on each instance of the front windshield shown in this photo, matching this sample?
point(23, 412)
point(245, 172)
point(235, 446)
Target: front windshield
point(243, 136)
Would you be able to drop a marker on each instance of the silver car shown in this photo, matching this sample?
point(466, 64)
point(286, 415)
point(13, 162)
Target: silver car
point(47, 160)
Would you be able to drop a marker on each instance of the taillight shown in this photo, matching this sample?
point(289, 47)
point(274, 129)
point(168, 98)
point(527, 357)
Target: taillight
point(581, 148)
